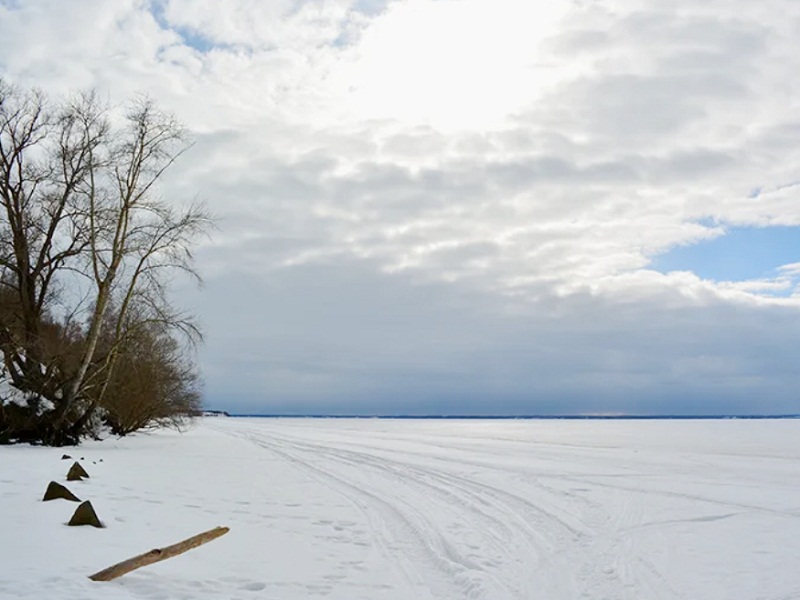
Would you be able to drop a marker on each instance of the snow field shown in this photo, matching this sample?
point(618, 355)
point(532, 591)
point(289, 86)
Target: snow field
point(379, 509)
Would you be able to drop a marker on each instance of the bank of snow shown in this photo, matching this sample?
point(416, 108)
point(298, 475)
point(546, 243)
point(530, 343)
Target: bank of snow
point(373, 509)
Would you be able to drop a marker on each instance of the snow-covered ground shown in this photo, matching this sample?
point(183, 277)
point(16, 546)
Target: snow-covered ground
point(377, 509)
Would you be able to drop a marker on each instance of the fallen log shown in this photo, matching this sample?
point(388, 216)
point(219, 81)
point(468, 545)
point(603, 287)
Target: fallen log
point(158, 554)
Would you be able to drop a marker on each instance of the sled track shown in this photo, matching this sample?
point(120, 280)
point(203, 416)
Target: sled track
point(459, 536)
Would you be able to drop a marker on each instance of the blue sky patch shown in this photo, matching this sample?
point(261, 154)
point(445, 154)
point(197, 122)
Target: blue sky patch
point(191, 38)
point(742, 253)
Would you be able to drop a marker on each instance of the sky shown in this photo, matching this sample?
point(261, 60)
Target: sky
point(469, 206)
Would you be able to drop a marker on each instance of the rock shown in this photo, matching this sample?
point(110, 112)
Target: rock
point(85, 515)
point(77, 472)
point(56, 490)
point(66, 457)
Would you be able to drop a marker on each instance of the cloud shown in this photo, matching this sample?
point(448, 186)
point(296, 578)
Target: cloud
point(532, 157)
point(345, 338)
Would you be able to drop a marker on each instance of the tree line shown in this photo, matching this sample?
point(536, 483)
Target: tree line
point(88, 335)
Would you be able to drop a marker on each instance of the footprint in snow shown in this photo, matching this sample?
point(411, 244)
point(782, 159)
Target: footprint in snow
point(254, 586)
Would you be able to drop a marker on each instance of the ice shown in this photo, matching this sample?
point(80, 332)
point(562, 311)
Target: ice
point(418, 509)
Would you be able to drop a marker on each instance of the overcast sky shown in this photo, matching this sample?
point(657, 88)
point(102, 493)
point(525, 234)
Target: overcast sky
point(470, 206)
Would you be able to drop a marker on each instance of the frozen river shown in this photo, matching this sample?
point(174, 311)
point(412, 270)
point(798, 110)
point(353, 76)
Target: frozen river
point(420, 509)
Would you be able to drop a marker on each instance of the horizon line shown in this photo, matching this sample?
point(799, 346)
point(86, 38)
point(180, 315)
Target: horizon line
point(506, 417)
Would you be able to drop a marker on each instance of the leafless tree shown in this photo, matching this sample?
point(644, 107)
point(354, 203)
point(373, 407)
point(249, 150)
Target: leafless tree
point(158, 386)
point(78, 197)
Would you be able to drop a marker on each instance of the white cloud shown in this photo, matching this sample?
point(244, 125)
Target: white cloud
point(526, 153)
point(451, 64)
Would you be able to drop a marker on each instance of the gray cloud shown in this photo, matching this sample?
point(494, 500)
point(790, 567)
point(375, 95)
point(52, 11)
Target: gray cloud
point(345, 338)
point(482, 243)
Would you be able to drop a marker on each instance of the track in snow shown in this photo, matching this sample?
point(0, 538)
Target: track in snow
point(476, 510)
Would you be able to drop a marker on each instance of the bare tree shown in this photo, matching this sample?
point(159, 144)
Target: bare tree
point(156, 384)
point(78, 196)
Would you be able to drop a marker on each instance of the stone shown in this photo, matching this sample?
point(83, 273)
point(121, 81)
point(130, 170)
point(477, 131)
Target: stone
point(66, 457)
point(57, 491)
point(85, 515)
point(77, 472)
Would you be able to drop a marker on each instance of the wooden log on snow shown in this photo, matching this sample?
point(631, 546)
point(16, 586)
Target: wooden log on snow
point(157, 555)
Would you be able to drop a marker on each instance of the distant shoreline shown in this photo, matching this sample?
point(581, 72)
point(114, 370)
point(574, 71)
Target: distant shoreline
point(520, 417)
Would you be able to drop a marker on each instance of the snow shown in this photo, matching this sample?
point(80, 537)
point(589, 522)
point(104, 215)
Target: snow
point(379, 509)
point(10, 394)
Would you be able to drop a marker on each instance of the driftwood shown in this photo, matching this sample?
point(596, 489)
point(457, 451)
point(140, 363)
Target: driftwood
point(159, 554)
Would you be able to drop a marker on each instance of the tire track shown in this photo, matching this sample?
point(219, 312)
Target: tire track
point(459, 536)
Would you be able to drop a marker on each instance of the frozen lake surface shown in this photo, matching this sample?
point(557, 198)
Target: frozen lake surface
point(419, 509)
